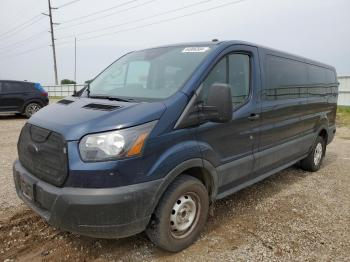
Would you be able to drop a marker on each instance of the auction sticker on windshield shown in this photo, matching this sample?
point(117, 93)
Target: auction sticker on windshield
point(200, 49)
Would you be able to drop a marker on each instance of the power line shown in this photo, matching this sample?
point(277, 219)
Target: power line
point(139, 20)
point(69, 3)
point(24, 52)
point(164, 20)
point(24, 41)
point(103, 17)
point(21, 13)
point(133, 28)
point(21, 27)
point(98, 12)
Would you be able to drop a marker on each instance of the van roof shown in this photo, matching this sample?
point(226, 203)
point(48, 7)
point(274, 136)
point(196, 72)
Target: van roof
point(267, 50)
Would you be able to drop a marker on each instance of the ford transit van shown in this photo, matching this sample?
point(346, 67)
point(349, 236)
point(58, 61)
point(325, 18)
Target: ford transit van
point(161, 133)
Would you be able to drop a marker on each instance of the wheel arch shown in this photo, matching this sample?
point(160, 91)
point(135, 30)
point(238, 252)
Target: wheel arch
point(198, 168)
point(323, 132)
point(33, 100)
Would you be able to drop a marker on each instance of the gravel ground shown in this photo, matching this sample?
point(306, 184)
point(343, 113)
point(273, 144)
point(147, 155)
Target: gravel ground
point(293, 215)
point(10, 127)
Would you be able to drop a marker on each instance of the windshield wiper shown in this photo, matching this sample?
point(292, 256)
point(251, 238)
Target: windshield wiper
point(112, 98)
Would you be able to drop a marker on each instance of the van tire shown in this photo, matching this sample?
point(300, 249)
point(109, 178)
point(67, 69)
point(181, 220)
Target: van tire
point(31, 109)
point(191, 213)
point(313, 161)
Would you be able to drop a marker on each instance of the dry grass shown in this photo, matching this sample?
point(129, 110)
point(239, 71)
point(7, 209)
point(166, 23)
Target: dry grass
point(343, 116)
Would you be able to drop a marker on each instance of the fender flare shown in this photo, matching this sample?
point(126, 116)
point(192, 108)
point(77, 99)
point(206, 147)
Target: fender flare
point(322, 124)
point(178, 170)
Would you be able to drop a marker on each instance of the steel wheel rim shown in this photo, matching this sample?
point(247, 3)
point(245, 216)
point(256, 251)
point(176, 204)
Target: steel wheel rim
point(184, 215)
point(32, 109)
point(318, 154)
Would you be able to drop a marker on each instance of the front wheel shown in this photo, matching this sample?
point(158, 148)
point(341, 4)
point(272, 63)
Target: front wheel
point(314, 160)
point(31, 109)
point(180, 215)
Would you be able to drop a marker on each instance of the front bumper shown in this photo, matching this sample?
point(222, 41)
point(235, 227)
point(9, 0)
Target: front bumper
point(103, 212)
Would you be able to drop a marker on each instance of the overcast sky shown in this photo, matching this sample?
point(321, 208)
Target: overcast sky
point(317, 29)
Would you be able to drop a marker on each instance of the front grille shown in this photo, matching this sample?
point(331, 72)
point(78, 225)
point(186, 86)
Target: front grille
point(44, 154)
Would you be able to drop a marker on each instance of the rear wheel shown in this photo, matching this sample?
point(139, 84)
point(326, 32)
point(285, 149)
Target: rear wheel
point(314, 160)
point(181, 214)
point(31, 109)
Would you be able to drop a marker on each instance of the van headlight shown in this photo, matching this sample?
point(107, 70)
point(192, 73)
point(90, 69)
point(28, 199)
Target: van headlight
point(115, 144)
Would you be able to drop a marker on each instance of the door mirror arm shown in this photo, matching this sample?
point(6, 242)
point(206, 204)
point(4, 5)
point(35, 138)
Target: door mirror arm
point(217, 108)
point(207, 112)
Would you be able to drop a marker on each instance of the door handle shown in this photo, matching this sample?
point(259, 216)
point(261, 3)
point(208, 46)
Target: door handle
point(253, 116)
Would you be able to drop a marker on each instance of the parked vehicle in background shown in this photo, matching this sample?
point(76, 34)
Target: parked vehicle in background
point(163, 132)
point(21, 97)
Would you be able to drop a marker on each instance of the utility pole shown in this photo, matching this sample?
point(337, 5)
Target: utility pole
point(53, 41)
point(75, 59)
point(75, 66)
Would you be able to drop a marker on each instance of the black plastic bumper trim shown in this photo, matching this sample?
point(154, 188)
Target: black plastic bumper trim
point(103, 213)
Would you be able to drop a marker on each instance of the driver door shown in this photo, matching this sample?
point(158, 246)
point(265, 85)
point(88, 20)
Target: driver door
point(230, 146)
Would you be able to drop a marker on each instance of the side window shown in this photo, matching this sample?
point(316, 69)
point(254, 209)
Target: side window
point(239, 75)
point(330, 77)
point(218, 75)
point(234, 70)
point(29, 87)
point(317, 75)
point(15, 87)
point(319, 81)
point(285, 79)
point(6, 87)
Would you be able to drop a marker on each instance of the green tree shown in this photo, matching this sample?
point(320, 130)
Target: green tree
point(67, 82)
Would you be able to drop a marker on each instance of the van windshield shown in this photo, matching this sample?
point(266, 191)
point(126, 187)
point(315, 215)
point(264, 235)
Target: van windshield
point(151, 74)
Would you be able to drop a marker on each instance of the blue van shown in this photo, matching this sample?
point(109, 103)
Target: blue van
point(161, 133)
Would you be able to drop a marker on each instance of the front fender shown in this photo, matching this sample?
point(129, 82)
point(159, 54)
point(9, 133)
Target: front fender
point(180, 169)
point(173, 157)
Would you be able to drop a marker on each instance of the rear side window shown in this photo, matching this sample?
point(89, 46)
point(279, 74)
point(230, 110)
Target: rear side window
point(6, 87)
point(291, 79)
point(330, 77)
point(284, 78)
point(12, 87)
point(234, 70)
point(317, 75)
point(17, 87)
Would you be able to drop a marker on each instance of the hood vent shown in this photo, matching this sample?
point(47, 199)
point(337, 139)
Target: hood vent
point(65, 101)
point(101, 107)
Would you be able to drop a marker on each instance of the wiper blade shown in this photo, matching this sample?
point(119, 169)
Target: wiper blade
point(112, 98)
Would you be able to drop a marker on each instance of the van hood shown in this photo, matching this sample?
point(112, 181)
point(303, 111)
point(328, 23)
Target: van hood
point(75, 117)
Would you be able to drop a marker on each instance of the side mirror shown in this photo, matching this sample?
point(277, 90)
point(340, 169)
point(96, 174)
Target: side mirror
point(219, 104)
point(218, 107)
